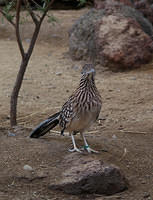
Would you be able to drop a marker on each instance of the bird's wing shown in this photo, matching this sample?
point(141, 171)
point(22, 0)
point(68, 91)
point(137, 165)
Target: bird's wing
point(68, 112)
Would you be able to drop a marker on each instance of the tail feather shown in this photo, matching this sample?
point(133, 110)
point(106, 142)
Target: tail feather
point(45, 126)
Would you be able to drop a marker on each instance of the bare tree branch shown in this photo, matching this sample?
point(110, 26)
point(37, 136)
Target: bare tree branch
point(36, 3)
point(49, 5)
point(36, 31)
point(18, 7)
point(32, 14)
point(9, 20)
point(46, 10)
point(33, 40)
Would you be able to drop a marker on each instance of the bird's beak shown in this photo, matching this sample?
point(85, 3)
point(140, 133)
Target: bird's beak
point(91, 71)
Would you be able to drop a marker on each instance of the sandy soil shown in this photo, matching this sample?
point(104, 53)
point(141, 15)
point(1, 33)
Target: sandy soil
point(124, 131)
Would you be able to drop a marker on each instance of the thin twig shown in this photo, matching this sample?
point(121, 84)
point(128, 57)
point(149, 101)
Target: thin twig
point(36, 113)
point(46, 10)
point(96, 131)
point(36, 3)
point(133, 132)
point(36, 31)
point(9, 20)
point(107, 197)
point(32, 14)
point(124, 154)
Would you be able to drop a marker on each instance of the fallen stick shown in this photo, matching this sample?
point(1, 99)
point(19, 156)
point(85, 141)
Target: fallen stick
point(133, 132)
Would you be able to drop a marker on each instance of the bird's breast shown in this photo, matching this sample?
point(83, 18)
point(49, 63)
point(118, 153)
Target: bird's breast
point(83, 118)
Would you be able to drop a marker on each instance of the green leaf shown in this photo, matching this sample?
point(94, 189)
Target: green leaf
point(52, 19)
point(9, 17)
point(82, 2)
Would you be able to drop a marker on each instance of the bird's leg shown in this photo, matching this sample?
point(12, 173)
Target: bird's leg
point(74, 145)
point(86, 146)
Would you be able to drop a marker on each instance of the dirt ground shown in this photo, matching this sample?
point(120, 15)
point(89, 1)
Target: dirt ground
point(123, 135)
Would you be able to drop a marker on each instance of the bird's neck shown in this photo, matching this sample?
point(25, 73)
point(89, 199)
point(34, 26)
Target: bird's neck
point(87, 82)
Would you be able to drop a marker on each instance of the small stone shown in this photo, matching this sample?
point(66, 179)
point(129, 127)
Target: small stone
point(143, 182)
point(114, 136)
point(58, 73)
point(27, 40)
point(8, 117)
point(28, 168)
point(55, 36)
point(11, 134)
point(118, 197)
point(146, 195)
point(133, 78)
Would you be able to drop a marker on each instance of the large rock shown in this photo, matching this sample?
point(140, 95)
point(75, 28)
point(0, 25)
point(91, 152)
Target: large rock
point(144, 6)
point(121, 43)
point(90, 175)
point(116, 36)
point(99, 4)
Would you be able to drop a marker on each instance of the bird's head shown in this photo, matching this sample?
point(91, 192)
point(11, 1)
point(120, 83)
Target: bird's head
point(88, 70)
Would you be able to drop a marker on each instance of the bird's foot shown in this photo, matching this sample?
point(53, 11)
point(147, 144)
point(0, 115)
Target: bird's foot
point(75, 149)
point(90, 150)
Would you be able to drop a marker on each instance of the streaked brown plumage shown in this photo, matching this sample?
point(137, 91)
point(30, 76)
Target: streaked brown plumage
point(79, 112)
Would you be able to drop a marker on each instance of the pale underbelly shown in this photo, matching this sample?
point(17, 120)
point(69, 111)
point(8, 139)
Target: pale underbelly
point(82, 123)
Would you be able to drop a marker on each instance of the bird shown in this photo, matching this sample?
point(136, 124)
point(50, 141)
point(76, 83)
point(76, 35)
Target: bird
point(78, 113)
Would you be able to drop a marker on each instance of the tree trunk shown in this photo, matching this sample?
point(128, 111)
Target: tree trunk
point(15, 91)
point(25, 56)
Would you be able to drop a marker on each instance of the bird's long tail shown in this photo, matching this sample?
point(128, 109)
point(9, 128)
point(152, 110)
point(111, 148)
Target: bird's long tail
point(45, 126)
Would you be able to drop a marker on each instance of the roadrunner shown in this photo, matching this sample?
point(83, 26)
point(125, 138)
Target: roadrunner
point(78, 113)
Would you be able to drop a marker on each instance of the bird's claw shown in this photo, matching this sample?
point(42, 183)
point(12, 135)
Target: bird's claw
point(75, 149)
point(90, 150)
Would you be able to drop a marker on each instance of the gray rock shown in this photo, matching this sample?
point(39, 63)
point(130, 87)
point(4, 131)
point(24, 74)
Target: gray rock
point(58, 73)
point(121, 43)
point(10, 134)
point(98, 4)
point(90, 175)
point(146, 7)
point(27, 167)
point(81, 35)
